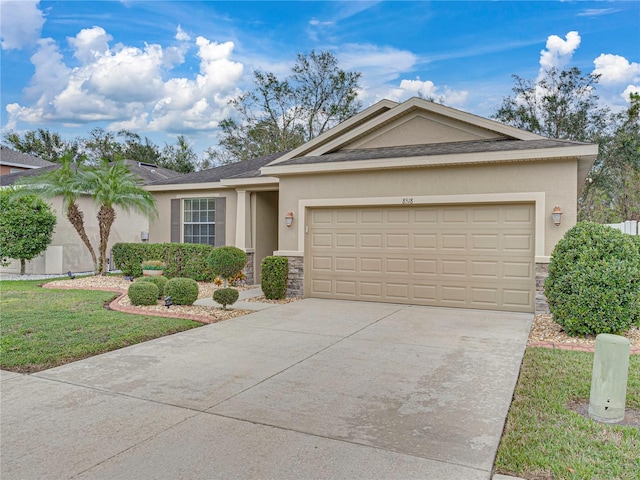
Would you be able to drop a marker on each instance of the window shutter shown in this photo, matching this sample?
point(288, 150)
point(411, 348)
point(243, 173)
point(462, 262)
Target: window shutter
point(175, 220)
point(221, 215)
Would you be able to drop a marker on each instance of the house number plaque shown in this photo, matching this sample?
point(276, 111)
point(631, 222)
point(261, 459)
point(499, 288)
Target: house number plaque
point(407, 201)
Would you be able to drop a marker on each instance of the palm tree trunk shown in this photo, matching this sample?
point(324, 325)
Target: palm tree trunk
point(23, 265)
point(76, 218)
point(106, 217)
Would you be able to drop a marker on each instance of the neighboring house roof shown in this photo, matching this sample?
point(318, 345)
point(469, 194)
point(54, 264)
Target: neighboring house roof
point(243, 169)
point(18, 159)
point(147, 171)
point(11, 178)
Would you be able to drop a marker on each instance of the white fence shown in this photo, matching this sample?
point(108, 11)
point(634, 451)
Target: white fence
point(632, 227)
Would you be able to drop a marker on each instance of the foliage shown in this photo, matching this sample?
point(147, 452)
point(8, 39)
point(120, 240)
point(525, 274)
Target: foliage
point(66, 182)
point(143, 293)
point(226, 296)
point(612, 192)
point(559, 104)
point(26, 227)
point(101, 145)
point(183, 291)
point(111, 184)
point(227, 262)
point(43, 328)
point(544, 438)
point(159, 281)
point(188, 260)
point(275, 274)
point(43, 144)
point(179, 157)
point(279, 115)
point(594, 279)
point(153, 265)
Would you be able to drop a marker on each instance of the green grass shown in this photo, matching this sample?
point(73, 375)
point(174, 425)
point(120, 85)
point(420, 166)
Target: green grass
point(544, 439)
point(42, 328)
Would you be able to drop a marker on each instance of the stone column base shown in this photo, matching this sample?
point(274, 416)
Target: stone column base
point(249, 268)
point(295, 285)
point(542, 272)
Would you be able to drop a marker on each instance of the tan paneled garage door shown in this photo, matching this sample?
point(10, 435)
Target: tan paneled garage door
point(470, 256)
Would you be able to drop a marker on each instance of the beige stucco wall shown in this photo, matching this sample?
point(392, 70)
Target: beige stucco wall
point(160, 229)
point(557, 181)
point(67, 252)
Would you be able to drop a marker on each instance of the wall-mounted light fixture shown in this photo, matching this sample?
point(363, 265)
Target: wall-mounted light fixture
point(556, 215)
point(288, 218)
point(144, 236)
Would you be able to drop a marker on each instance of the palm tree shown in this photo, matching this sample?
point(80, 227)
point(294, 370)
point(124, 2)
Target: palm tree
point(64, 181)
point(111, 184)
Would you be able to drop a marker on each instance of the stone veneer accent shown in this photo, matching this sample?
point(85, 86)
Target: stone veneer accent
point(542, 272)
point(249, 268)
point(295, 285)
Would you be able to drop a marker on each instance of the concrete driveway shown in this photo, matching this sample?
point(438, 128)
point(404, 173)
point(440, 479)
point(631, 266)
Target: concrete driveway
point(312, 389)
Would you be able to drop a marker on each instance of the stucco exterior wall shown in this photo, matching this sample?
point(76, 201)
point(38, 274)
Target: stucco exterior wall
point(160, 229)
point(555, 180)
point(67, 252)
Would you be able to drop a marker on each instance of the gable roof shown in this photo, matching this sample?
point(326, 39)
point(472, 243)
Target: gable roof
point(244, 169)
point(18, 159)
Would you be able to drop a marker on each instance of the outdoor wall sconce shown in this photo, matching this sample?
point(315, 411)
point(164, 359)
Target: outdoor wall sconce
point(556, 215)
point(144, 236)
point(288, 218)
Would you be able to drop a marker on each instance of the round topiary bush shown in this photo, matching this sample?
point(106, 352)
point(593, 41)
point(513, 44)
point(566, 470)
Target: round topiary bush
point(183, 291)
point(226, 296)
point(594, 280)
point(143, 293)
point(159, 281)
point(275, 274)
point(227, 262)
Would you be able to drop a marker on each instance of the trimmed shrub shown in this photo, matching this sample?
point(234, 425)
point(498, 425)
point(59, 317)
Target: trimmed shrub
point(160, 281)
point(227, 262)
point(226, 296)
point(275, 274)
point(186, 260)
point(143, 293)
point(594, 280)
point(183, 291)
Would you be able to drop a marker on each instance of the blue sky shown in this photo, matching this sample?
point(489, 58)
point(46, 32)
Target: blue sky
point(166, 68)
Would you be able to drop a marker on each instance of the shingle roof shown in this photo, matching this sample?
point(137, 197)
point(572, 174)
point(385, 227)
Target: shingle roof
point(148, 172)
point(151, 173)
point(9, 156)
point(449, 148)
point(243, 169)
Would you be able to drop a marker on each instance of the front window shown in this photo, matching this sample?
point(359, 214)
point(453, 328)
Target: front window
point(199, 220)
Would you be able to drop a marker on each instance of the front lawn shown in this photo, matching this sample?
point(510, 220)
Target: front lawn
point(42, 328)
point(544, 439)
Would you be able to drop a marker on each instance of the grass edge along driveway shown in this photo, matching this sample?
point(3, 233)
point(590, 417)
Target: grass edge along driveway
point(545, 439)
point(42, 328)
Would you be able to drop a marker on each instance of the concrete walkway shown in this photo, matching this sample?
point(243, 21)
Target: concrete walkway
point(311, 389)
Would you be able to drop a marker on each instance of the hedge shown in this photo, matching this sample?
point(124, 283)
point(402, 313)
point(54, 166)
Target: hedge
point(227, 262)
point(143, 293)
point(275, 274)
point(159, 281)
point(188, 260)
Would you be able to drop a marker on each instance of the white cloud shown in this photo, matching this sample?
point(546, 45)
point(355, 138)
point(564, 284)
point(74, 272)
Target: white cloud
point(20, 23)
point(629, 90)
point(615, 69)
point(181, 35)
point(382, 63)
point(126, 86)
point(558, 52)
point(426, 89)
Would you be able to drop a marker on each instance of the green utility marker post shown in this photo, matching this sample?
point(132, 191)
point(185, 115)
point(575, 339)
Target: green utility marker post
point(609, 379)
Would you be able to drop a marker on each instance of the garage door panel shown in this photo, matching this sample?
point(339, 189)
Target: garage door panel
point(465, 256)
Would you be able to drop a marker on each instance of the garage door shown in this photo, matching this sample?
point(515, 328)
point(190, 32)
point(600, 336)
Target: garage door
point(469, 256)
